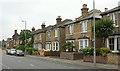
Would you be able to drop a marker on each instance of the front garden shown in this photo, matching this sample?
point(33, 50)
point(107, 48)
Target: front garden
point(103, 55)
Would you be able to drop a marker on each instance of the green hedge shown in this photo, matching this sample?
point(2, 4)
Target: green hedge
point(30, 50)
point(21, 47)
point(99, 51)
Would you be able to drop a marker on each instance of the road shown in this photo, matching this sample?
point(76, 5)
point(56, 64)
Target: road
point(16, 62)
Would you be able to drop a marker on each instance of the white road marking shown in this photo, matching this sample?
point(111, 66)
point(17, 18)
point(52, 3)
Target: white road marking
point(6, 66)
point(72, 67)
point(65, 66)
point(31, 65)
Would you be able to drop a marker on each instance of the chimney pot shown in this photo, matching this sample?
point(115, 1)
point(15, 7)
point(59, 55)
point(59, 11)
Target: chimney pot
point(84, 5)
point(15, 31)
point(33, 29)
point(43, 25)
point(58, 19)
point(106, 9)
point(84, 10)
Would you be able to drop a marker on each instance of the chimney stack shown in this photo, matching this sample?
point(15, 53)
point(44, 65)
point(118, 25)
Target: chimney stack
point(33, 29)
point(84, 10)
point(43, 25)
point(58, 19)
point(15, 32)
point(106, 9)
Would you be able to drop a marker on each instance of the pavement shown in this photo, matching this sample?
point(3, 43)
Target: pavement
point(78, 62)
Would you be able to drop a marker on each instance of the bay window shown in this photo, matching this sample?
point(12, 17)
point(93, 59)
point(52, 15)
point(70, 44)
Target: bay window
point(83, 43)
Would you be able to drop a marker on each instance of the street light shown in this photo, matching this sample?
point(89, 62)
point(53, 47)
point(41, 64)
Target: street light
point(94, 59)
point(25, 35)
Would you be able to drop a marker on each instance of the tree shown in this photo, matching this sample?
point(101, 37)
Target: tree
point(67, 45)
point(28, 36)
point(103, 28)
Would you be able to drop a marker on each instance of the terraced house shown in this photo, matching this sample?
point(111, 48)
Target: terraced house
point(39, 37)
point(15, 38)
point(55, 35)
point(79, 32)
point(113, 41)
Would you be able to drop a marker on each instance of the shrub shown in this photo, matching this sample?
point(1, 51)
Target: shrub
point(87, 50)
point(67, 45)
point(21, 47)
point(30, 50)
point(99, 51)
point(104, 51)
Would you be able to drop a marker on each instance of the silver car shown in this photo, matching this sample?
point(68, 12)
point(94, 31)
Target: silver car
point(19, 53)
point(12, 51)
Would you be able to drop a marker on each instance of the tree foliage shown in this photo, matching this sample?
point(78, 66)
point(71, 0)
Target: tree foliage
point(28, 36)
point(104, 27)
point(67, 45)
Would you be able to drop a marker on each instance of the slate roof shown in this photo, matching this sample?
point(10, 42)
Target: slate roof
point(111, 11)
point(50, 27)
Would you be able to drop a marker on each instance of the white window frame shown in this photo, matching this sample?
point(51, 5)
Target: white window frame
point(40, 36)
point(71, 29)
point(84, 26)
point(48, 34)
point(35, 38)
point(55, 46)
point(115, 43)
point(56, 32)
point(83, 43)
point(48, 46)
point(114, 18)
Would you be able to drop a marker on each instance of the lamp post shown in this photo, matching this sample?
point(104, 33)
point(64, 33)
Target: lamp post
point(25, 35)
point(94, 59)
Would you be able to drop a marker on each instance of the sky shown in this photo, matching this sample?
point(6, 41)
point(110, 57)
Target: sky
point(35, 12)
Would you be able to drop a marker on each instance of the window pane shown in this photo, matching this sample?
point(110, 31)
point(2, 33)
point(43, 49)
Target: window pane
point(86, 43)
point(81, 44)
point(118, 43)
point(56, 46)
point(111, 43)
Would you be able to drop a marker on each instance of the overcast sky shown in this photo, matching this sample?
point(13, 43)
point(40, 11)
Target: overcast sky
point(37, 11)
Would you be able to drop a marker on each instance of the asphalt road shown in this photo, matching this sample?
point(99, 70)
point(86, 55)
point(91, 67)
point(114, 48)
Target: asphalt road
point(16, 62)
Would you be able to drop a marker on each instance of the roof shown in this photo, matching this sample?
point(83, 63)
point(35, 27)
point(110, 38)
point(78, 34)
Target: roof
point(38, 31)
point(89, 16)
point(66, 21)
point(111, 11)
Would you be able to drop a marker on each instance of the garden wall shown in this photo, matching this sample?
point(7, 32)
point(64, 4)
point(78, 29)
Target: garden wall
point(110, 58)
point(71, 55)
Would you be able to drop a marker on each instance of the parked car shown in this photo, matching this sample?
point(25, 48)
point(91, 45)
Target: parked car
point(12, 51)
point(19, 53)
point(7, 51)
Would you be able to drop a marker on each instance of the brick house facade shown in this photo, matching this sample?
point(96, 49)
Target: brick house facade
point(39, 37)
point(113, 41)
point(15, 38)
point(79, 32)
point(56, 34)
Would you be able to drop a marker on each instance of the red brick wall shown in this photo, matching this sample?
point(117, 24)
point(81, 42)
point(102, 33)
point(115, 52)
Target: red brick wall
point(71, 55)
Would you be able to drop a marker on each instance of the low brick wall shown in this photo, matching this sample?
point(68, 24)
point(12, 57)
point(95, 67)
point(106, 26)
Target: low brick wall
point(71, 55)
point(114, 58)
point(54, 53)
point(110, 59)
point(49, 53)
